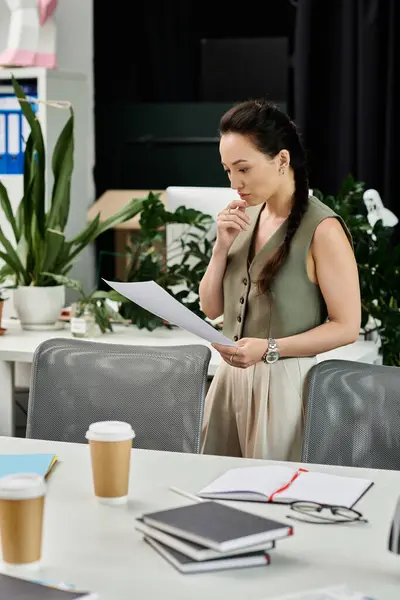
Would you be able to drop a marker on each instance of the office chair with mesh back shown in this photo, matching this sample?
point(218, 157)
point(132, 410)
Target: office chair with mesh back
point(158, 390)
point(353, 415)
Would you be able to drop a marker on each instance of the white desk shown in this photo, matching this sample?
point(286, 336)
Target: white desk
point(18, 346)
point(96, 547)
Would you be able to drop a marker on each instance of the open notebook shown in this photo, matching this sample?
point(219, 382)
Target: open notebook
point(285, 485)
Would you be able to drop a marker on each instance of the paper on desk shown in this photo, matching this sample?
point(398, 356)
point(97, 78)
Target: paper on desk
point(152, 297)
point(341, 592)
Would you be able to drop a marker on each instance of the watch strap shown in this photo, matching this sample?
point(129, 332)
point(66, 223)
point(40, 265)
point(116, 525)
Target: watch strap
point(272, 347)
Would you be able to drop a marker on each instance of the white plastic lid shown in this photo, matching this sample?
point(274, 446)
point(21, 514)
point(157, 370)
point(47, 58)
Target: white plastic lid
point(110, 431)
point(21, 486)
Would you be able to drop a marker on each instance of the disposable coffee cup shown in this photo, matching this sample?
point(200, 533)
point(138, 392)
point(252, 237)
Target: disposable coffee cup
point(110, 449)
point(22, 498)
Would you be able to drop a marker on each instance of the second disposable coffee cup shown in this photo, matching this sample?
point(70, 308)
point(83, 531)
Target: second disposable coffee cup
point(22, 499)
point(110, 449)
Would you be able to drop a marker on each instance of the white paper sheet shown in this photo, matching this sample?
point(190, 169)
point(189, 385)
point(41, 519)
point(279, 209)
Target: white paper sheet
point(334, 593)
point(152, 297)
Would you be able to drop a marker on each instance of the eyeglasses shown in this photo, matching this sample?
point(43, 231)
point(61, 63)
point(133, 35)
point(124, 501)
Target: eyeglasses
point(312, 512)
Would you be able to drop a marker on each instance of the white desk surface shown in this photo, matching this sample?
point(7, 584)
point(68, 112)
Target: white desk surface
point(18, 345)
point(96, 546)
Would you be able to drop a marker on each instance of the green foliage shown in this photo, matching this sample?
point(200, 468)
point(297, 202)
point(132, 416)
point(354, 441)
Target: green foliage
point(39, 245)
point(96, 300)
point(3, 288)
point(189, 256)
point(378, 262)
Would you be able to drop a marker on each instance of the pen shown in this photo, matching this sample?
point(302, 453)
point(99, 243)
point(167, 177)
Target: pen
point(185, 494)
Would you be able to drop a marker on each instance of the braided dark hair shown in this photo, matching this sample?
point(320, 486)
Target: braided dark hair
point(271, 130)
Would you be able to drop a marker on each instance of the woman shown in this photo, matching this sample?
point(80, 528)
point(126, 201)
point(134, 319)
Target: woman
point(284, 276)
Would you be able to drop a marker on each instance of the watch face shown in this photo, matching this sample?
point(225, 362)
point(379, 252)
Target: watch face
point(272, 356)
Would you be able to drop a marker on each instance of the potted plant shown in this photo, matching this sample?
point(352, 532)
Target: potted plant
point(188, 256)
point(39, 245)
point(90, 310)
point(378, 260)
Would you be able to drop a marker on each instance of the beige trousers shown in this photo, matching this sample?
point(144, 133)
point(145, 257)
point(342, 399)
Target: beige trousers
point(257, 412)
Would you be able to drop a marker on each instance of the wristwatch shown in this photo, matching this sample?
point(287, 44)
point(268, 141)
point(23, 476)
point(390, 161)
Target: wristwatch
point(272, 353)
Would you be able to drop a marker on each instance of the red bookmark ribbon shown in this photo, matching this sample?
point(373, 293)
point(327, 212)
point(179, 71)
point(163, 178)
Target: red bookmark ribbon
point(287, 485)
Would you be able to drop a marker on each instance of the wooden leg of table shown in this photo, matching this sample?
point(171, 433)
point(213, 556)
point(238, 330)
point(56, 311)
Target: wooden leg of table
point(7, 413)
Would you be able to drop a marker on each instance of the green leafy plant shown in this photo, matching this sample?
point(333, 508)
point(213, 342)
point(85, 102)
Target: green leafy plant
point(103, 312)
point(3, 288)
point(378, 260)
point(39, 246)
point(188, 254)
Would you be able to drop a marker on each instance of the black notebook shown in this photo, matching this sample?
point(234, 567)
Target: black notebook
point(184, 564)
point(14, 588)
point(217, 526)
point(191, 549)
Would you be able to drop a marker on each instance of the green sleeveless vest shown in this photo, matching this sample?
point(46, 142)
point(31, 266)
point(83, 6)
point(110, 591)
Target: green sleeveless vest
point(296, 303)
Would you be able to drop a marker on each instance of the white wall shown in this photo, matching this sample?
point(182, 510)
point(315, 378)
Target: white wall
point(4, 18)
point(74, 20)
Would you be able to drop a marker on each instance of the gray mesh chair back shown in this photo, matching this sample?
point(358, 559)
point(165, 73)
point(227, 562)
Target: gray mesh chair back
point(353, 415)
point(160, 391)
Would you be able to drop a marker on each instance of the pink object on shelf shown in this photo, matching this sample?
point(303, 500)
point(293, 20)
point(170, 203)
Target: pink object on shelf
point(31, 34)
point(49, 61)
point(17, 57)
point(46, 9)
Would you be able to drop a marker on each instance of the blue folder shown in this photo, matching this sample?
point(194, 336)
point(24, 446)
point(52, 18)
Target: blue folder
point(14, 131)
point(26, 463)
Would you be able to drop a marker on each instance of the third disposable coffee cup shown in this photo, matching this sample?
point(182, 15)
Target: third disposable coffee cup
point(110, 449)
point(21, 519)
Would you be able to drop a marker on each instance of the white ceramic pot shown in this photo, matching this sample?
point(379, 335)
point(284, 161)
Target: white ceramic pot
point(38, 308)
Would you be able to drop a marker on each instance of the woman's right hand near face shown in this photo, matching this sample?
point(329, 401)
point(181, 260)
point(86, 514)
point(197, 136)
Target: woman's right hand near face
point(230, 222)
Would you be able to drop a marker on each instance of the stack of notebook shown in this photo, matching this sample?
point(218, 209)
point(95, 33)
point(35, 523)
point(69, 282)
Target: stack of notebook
point(209, 536)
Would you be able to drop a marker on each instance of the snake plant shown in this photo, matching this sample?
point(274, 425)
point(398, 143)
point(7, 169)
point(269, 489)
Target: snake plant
point(38, 245)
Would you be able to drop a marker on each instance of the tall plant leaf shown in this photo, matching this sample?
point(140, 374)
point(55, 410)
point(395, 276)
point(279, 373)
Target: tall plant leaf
point(28, 161)
point(63, 165)
point(25, 209)
point(11, 257)
point(28, 218)
point(86, 236)
point(127, 212)
point(15, 268)
point(78, 243)
point(8, 211)
point(53, 245)
point(95, 228)
point(38, 197)
point(5, 272)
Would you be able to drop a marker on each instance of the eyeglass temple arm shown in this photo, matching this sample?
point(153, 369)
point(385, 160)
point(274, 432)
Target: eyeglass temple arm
point(394, 535)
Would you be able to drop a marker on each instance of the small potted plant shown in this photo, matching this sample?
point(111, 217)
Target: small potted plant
point(90, 311)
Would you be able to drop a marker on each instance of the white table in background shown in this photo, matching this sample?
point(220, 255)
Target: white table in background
point(96, 547)
point(18, 346)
